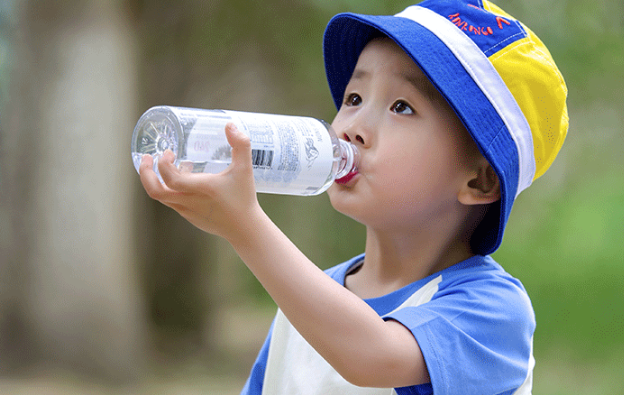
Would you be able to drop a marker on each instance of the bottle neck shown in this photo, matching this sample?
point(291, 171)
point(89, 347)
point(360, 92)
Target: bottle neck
point(350, 158)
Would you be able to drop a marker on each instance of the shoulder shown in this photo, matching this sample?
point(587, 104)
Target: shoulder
point(483, 283)
point(477, 298)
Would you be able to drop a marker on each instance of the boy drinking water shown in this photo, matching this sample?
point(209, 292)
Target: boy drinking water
point(455, 108)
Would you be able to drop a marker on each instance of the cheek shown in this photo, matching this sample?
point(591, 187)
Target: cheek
point(418, 174)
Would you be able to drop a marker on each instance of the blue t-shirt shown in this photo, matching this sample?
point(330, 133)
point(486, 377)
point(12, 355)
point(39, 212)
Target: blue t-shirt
point(473, 322)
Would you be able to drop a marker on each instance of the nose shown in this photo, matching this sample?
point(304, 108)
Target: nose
point(357, 131)
point(350, 137)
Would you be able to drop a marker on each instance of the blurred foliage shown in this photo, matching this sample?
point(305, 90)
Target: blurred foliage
point(565, 237)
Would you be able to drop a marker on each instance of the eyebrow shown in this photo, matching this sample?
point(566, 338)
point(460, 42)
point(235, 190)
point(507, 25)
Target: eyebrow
point(423, 85)
point(419, 81)
point(359, 74)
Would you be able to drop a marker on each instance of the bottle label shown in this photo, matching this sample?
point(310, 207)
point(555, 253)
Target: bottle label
point(290, 155)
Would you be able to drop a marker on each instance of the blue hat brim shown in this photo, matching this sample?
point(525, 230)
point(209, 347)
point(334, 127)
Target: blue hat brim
point(346, 36)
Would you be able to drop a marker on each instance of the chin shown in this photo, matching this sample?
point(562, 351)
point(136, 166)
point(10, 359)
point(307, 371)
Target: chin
point(345, 202)
point(337, 198)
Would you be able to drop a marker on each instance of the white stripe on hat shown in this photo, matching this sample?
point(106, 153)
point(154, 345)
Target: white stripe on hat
point(487, 78)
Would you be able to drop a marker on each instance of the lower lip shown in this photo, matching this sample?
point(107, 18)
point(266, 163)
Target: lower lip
point(344, 180)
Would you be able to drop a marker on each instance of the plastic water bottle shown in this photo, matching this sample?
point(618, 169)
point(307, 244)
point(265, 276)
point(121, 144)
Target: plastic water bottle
point(291, 155)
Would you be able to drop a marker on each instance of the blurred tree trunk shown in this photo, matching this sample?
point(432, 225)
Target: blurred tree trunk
point(174, 268)
point(69, 282)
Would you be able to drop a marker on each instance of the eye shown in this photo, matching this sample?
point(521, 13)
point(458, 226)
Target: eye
point(353, 99)
point(400, 107)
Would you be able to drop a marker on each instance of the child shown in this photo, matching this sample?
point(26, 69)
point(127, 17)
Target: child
point(455, 108)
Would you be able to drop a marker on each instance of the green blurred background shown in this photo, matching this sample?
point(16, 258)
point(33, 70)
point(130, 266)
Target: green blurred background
point(104, 291)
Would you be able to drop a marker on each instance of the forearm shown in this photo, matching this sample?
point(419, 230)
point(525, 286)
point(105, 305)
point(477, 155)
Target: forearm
point(344, 329)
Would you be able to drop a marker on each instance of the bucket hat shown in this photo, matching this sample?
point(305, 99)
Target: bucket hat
point(495, 73)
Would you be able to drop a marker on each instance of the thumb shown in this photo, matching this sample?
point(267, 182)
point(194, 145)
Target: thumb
point(240, 143)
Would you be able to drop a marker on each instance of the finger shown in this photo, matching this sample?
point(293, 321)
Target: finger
point(169, 172)
point(181, 183)
point(177, 180)
point(151, 183)
point(147, 161)
point(148, 177)
point(241, 145)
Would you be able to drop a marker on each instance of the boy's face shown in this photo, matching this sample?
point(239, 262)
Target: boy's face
point(415, 154)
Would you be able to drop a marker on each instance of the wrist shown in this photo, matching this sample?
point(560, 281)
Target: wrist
point(247, 228)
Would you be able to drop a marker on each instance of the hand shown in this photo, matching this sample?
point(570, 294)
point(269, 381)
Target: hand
point(221, 204)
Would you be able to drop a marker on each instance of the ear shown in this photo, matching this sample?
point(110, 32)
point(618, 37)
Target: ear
point(481, 187)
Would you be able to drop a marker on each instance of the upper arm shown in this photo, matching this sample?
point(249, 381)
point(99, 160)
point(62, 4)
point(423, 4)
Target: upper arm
point(407, 365)
point(396, 361)
point(389, 360)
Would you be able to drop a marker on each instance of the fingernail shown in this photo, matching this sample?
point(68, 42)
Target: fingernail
point(231, 126)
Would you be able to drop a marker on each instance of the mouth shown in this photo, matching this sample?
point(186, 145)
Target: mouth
point(345, 180)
